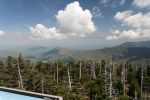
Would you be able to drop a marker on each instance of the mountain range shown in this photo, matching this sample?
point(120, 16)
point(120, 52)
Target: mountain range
point(128, 50)
point(135, 44)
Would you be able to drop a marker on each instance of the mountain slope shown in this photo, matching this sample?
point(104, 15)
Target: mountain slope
point(56, 52)
point(129, 50)
point(135, 44)
point(106, 53)
point(137, 52)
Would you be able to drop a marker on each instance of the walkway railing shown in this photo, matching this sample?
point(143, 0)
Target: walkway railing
point(30, 94)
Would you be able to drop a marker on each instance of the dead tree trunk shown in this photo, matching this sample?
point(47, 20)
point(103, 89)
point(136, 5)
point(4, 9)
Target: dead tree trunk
point(110, 79)
point(123, 77)
point(93, 70)
point(33, 66)
point(20, 76)
point(69, 78)
point(80, 71)
point(135, 95)
point(6, 64)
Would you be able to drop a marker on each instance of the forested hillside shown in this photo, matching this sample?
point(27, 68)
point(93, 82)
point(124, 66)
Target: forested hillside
point(78, 80)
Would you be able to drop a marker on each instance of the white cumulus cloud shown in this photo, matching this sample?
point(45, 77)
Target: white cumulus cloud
point(131, 34)
point(139, 20)
point(72, 21)
point(41, 32)
point(123, 15)
point(141, 3)
point(139, 24)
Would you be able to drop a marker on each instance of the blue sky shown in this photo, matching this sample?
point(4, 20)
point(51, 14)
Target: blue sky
point(68, 23)
point(11, 96)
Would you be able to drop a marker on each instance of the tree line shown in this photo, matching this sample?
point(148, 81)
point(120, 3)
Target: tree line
point(78, 79)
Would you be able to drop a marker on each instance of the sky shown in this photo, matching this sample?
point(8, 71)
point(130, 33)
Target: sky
point(75, 24)
point(12, 96)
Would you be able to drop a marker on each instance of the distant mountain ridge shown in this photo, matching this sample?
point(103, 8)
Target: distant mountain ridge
point(128, 50)
point(135, 44)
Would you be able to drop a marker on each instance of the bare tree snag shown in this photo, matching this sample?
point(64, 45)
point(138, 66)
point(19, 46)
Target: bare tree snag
point(20, 76)
point(110, 80)
point(69, 80)
point(123, 77)
point(93, 70)
point(80, 70)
